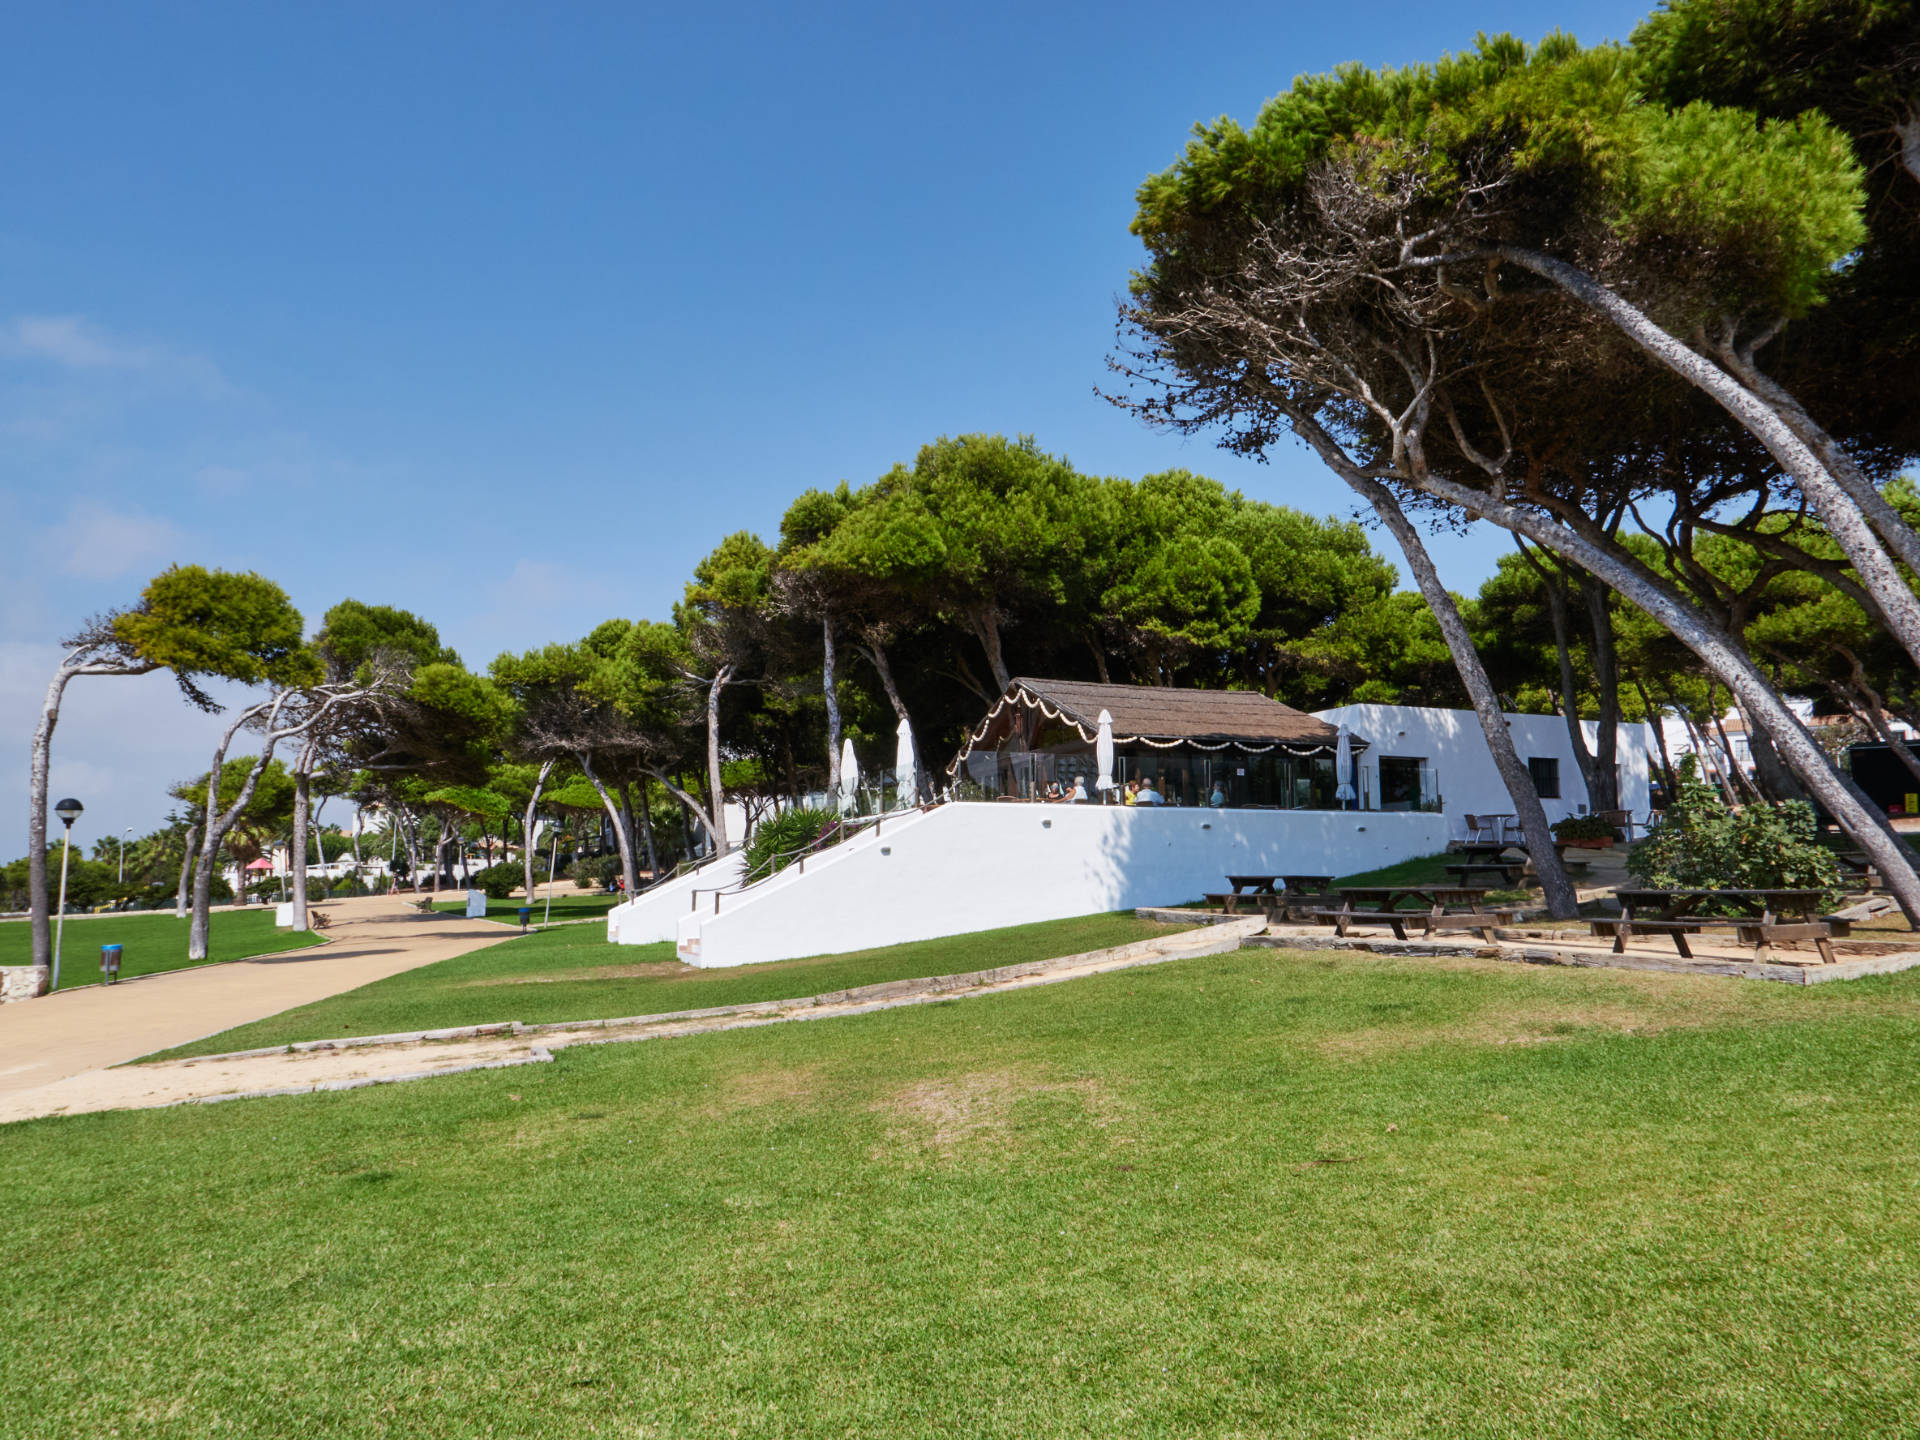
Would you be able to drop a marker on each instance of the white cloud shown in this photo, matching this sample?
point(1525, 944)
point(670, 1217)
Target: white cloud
point(103, 542)
point(74, 343)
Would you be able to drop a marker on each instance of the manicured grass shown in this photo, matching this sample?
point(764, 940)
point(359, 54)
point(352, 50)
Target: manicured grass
point(1421, 870)
point(151, 941)
point(571, 973)
point(1257, 1194)
point(583, 906)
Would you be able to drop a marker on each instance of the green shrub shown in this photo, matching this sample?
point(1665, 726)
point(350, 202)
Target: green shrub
point(771, 848)
point(1583, 827)
point(501, 882)
point(596, 872)
point(1757, 847)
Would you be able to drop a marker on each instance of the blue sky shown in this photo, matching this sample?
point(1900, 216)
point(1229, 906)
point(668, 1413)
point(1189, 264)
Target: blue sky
point(506, 314)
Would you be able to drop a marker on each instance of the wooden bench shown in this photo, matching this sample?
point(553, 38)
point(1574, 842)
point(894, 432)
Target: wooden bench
point(422, 906)
point(1758, 931)
point(319, 920)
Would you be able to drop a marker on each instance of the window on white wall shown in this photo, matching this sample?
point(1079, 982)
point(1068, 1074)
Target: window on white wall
point(1545, 770)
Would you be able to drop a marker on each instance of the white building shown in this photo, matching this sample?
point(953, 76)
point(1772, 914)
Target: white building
point(1421, 759)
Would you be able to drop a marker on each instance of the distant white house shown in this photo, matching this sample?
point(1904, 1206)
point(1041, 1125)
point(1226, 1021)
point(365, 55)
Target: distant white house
point(1425, 759)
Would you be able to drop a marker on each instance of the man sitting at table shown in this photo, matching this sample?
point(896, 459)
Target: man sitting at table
point(1147, 795)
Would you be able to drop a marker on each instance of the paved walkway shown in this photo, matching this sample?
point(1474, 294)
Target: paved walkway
point(374, 1060)
point(54, 1050)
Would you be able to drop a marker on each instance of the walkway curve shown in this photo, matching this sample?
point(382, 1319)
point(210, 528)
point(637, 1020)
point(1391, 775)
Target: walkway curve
point(57, 1049)
point(317, 1065)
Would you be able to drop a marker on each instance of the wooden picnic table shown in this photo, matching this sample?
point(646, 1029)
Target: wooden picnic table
point(1252, 884)
point(1758, 926)
point(1671, 902)
point(1259, 891)
point(1382, 902)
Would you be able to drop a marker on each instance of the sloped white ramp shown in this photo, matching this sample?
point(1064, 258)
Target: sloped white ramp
point(979, 866)
point(649, 917)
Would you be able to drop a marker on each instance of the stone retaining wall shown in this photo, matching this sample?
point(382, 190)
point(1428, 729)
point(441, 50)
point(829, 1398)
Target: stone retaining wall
point(22, 982)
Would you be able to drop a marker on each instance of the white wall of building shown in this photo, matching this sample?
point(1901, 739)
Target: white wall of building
point(966, 867)
point(1452, 742)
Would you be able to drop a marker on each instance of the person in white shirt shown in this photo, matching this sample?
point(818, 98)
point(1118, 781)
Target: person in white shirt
point(1148, 795)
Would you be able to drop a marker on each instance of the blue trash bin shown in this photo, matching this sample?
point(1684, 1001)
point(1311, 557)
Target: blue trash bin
point(109, 963)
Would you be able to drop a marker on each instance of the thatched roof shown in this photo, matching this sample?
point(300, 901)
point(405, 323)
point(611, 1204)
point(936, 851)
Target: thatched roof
point(1155, 712)
point(1208, 719)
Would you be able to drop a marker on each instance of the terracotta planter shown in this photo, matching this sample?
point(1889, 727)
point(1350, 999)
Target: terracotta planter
point(1603, 842)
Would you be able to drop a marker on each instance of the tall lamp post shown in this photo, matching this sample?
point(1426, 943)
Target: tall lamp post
point(123, 853)
point(68, 811)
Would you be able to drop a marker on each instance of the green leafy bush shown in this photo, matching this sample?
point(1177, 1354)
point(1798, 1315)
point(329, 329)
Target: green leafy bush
point(596, 872)
point(509, 878)
point(771, 848)
point(1582, 827)
point(1757, 847)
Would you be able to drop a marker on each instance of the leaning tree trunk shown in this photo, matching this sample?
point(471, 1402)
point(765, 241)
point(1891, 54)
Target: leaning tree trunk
point(1723, 659)
point(830, 691)
point(627, 871)
point(1562, 902)
point(37, 817)
point(219, 824)
point(717, 822)
point(1569, 686)
point(1842, 516)
point(986, 626)
point(186, 875)
point(876, 652)
point(1656, 721)
point(1603, 793)
point(1775, 780)
point(689, 806)
point(302, 815)
point(646, 833)
point(526, 826)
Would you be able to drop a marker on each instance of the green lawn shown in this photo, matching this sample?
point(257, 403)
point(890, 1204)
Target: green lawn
point(151, 941)
point(572, 973)
point(1258, 1194)
point(1421, 870)
point(565, 907)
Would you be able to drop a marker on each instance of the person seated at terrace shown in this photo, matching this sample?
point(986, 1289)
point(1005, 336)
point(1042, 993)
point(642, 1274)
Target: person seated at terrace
point(1079, 795)
point(1147, 795)
point(1218, 800)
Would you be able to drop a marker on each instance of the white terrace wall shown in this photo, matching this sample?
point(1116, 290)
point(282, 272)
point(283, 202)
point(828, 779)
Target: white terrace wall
point(1452, 742)
point(966, 867)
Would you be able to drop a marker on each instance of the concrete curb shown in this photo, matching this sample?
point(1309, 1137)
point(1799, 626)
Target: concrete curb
point(858, 1000)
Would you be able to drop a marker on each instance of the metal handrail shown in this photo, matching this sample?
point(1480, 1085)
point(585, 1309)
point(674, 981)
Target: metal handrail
point(833, 836)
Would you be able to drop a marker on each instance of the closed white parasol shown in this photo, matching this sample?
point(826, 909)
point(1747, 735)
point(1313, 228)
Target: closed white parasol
point(1343, 766)
point(1103, 753)
point(906, 777)
point(849, 776)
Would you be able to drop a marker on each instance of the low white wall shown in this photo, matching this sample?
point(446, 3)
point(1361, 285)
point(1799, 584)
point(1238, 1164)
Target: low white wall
point(967, 867)
point(649, 918)
point(1452, 742)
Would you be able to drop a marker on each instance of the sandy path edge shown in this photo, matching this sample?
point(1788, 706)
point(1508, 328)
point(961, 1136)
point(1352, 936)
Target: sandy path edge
point(349, 1063)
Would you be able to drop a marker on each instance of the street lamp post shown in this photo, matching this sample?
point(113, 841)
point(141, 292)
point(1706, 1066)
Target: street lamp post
point(68, 811)
point(123, 853)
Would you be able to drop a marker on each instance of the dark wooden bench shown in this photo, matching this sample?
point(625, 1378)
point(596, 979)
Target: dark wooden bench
point(1758, 931)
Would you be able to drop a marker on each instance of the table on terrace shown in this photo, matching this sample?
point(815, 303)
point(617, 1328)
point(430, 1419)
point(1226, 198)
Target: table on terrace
point(1757, 925)
point(1449, 907)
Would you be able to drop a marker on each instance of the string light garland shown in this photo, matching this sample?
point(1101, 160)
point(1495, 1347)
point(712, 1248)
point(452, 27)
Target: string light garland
point(1019, 695)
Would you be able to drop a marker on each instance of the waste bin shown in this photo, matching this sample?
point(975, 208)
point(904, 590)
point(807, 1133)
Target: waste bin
point(526, 914)
point(109, 963)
